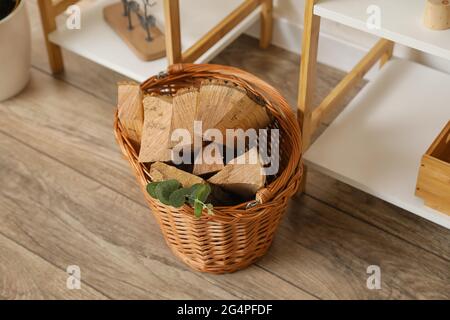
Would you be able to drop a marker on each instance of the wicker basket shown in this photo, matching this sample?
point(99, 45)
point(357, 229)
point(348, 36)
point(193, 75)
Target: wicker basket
point(235, 236)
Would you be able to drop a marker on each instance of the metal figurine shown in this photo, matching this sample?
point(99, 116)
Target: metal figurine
point(146, 20)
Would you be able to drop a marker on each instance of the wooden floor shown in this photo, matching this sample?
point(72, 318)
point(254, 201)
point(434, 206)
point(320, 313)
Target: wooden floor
point(68, 198)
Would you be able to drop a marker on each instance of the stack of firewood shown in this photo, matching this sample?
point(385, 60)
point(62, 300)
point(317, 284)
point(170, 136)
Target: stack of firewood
point(148, 121)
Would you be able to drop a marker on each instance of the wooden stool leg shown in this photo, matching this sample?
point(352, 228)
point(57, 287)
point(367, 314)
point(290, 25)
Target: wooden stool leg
point(49, 25)
point(308, 72)
point(387, 55)
point(266, 24)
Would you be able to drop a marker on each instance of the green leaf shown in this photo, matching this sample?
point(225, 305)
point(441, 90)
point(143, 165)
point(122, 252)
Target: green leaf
point(193, 190)
point(178, 197)
point(204, 192)
point(198, 208)
point(201, 192)
point(165, 188)
point(151, 189)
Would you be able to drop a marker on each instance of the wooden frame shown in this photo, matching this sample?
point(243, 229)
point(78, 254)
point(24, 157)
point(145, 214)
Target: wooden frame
point(51, 9)
point(308, 115)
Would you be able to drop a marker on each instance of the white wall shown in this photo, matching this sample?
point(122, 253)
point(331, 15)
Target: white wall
point(340, 46)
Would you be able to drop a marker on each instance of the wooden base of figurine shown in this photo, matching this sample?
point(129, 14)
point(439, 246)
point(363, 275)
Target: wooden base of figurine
point(136, 38)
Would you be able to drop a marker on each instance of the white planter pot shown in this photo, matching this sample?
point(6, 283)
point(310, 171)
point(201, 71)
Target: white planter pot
point(15, 52)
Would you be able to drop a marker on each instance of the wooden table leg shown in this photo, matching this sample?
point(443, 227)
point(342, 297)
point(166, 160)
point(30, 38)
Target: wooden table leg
point(266, 23)
point(308, 75)
point(173, 33)
point(49, 25)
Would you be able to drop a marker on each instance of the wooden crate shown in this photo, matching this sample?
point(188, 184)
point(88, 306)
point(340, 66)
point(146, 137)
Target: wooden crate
point(433, 182)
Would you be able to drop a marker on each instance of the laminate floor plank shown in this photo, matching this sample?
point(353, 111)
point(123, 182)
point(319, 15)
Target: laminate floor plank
point(328, 253)
point(381, 214)
point(25, 276)
point(69, 219)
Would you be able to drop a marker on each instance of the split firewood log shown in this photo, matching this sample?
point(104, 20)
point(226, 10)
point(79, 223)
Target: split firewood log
point(209, 159)
point(160, 172)
point(184, 110)
point(245, 114)
point(216, 98)
point(131, 112)
point(243, 175)
point(225, 106)
point(155, 143)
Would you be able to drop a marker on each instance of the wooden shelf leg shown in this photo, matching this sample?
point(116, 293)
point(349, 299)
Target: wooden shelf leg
point(266, 23)
point(172, 31)
point(49, 25)
point(308, 72)
point(302, 187)
point(387, 55)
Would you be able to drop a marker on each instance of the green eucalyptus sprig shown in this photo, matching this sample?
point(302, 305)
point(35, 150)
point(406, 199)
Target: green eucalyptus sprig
point(170, 192)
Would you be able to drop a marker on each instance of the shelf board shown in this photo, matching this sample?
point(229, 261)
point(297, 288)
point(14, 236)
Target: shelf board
point(96, 41)
point(377, 142)
point(401, 22)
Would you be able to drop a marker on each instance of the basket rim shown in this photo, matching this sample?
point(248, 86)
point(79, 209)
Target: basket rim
point(284, 186)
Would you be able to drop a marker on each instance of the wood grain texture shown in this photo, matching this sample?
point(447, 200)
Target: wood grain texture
point(54, 52)
point(266, 23)
point(77, 233)
point(172, 31)
point(328, 253)
point(245, 114)
point(26, 276)
point(215, 100)
point(209, 159)
point(155, 142)
point(125, 257)
point(308, 73)
point(131, 111)
point(160, 171)
point(433, 181)
point(184, 110)
point(242, 175)
point(380, 214)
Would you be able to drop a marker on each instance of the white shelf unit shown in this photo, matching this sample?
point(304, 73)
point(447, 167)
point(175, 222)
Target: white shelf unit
point(377, 142)
point(96, 40)
point(401, 22)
